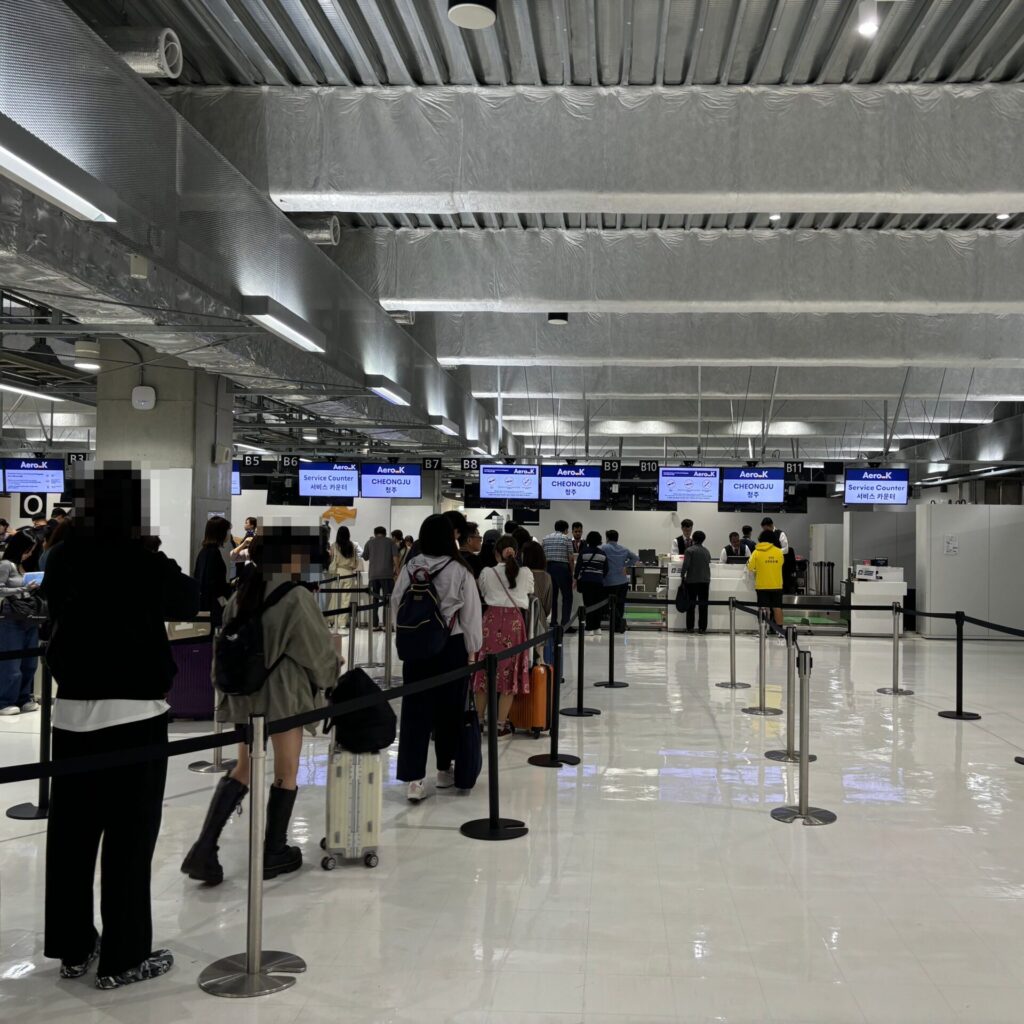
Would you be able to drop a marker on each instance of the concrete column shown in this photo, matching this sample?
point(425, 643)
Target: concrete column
point(184, 440)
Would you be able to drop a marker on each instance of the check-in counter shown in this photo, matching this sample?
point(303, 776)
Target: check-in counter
point(726, 581)
point(885, 588)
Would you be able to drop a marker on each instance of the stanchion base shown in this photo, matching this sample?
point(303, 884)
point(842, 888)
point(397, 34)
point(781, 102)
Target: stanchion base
point(579, 712)
point(613, 685)
point(27, 812)
point(729, 685)
point(963, 716)
point(228, 977)
point(895, 691)
point(547, 761)
point(209, 768)
point(761, 711)
point(481, 828)
point(787, 757)
point(814, 815)
point(1019, 760)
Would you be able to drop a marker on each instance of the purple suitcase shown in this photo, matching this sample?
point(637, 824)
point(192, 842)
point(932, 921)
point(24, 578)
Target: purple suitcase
point(191, 693)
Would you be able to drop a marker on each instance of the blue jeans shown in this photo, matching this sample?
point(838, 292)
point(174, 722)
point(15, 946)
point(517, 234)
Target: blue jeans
point(18, 675)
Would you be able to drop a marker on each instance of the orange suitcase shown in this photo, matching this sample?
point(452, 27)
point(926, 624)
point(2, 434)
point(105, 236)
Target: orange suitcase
point(531, 712)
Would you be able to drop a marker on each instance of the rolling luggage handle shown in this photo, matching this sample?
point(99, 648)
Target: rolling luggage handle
point(553, 759)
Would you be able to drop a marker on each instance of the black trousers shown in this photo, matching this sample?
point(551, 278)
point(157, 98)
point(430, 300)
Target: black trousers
point(438, 711)
point(561, 584)
point(593, 593)
point(378, 588)
point(698, 602)
point(121, 806)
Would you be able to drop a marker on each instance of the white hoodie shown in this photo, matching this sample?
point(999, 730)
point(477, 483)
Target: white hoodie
point(456, 590)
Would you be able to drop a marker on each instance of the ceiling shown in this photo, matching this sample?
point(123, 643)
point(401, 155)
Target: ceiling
point(821, 263)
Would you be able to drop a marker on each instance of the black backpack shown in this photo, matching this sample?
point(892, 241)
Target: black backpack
point(239, 658)
point(369, 729)
point(420, 628)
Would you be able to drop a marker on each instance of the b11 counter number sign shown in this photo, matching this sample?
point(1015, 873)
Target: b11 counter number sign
point(794, 468)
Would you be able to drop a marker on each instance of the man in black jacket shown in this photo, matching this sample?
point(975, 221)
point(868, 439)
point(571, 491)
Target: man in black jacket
point(108, 598)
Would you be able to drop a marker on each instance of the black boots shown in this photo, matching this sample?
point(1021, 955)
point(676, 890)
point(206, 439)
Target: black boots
point(278, 857)
point(202, 863)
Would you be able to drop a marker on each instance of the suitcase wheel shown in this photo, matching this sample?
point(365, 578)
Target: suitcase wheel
point(535, 733)
point(323, 843)
point(328, 863)
point(371, 860)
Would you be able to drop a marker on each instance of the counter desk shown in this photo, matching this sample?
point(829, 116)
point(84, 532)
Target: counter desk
point(888, 589)
point(726, 581)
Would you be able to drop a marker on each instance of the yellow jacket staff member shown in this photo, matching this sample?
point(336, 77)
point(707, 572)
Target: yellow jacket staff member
point(765, 563)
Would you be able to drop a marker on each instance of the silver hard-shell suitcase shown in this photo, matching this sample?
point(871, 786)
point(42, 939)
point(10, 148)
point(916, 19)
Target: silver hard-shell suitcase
point(355, 803)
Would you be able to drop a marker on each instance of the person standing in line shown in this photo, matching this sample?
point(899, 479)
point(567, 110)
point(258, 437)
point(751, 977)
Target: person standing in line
point(298, 651)
point(561, 562)
point(781, 541)
point(696, 574)
point(487, 556)
point(577, 538)
point(616, 582)
point(506, 589)
point(111, 697)
point(747, 540)
point(532, 557)
point(766, 565)
point(469, 548)
point(440, 711)
point(734, 549)
point(211, 571)
point(17, 675)
point(347, 564)
point(380, 554)
point(685, 539)
point(591, 570)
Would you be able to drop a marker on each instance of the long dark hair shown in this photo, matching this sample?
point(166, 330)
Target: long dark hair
point(533, 556)
point(343, 542)
point(216, 533)
point(437, 539)
point(18, 547)
point(511, 565)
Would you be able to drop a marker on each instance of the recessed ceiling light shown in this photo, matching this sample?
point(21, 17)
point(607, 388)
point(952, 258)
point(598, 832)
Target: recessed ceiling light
point(279, 320)
point(867, 18)
point(1002, 216)
point(472, 15)
point(558, 318)
point(774, 216)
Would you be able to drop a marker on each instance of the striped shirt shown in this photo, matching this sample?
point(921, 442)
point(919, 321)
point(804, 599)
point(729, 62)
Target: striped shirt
point(558, 548)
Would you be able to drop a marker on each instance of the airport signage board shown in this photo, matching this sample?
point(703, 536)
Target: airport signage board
point(754, 485)
point(38, 476)
point(328, 480)
point(570, 483)
point(392, 480)
point(877, 487)
point(687, 483)
point(509, 483)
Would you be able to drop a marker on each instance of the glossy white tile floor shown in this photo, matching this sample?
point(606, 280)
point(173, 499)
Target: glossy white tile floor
point(653, 885)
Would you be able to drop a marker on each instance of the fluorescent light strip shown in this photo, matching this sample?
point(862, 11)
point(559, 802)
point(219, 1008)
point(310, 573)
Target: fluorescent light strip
point(24, 173)
point(30, 394)
point(480, 451)
point(280, 320)
point(445, 425)
point(387, 389)
point(252, 448)
point(289, 334)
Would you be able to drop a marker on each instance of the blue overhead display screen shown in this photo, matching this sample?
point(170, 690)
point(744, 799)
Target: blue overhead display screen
point(877, 487)
point(392, 480)
point(570, 483)
point(328, 480)
point(753, 486)
point(236, 480)
point(688, 484)
point(504, 483)
point(34, 476)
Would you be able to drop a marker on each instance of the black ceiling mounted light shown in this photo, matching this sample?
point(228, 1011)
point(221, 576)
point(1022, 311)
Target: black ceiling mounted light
point(472, 15)
point(558, 318)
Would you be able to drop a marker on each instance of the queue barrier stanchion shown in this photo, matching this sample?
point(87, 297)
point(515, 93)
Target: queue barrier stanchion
point(220, 764)
point(959, 713)
point(896, 690)
point(790, 755)
point(730, 683)
point(257, 971)
point(613, 620)
point(388, 626)
point(579, 711)
point(41, 808)
point(493, 827)
point(762, 672)
point(353, 619)
point(554, 759)
point(803, 810)
point(377, 604)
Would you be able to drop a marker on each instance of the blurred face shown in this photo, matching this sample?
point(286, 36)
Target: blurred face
point(577, 533)
point(474, 542)
point(687, 530)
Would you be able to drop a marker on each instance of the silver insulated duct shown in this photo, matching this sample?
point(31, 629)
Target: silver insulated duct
point(149, 50)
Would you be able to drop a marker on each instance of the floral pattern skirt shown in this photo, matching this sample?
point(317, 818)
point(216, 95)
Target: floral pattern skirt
point(505, 628)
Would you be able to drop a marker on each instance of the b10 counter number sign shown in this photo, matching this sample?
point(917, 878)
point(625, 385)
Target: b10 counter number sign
point(649, 465)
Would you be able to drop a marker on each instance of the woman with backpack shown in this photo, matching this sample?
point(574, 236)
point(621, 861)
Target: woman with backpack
point(506, 589)
point(300, 657)
point(591, 569)
point(439, 568)
point(345, 562)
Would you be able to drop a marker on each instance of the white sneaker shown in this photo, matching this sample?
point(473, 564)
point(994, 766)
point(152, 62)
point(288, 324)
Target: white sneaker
point(29, 707)
point(416, 792)
point(12, 710)
point(445, 780)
